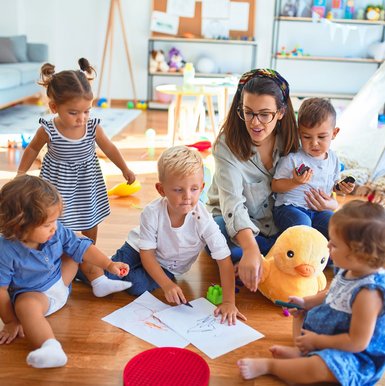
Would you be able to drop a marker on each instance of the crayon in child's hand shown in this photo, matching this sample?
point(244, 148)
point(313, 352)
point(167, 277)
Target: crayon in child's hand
point(123, 272)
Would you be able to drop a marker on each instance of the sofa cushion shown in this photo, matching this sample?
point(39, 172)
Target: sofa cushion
point(9, 77)
point(29, 72)
point(19, 43)
point(7, 54)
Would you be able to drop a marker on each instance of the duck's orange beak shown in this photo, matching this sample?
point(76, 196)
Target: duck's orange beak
point(305, 270)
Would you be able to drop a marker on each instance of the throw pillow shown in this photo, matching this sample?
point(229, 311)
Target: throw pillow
point(20, 47)
point(7, 54)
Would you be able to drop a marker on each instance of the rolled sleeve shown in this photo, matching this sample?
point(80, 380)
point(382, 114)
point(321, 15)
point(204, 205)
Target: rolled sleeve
point(73, 246)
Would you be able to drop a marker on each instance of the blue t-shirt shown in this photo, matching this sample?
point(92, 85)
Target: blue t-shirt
point(23, 269)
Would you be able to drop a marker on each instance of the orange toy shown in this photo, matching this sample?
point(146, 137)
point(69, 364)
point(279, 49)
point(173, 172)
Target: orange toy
point(123, 189)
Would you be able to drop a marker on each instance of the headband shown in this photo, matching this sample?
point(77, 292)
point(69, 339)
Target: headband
point(265, 73)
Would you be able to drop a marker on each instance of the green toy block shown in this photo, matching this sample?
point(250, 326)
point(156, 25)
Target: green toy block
point(214, 294)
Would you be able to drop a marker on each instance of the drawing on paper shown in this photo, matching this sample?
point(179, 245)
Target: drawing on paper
point(204, 325)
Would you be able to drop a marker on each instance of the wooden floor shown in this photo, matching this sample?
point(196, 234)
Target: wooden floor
point(97, 352)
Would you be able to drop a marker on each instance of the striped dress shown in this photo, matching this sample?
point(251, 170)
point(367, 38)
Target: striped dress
point(73, 167)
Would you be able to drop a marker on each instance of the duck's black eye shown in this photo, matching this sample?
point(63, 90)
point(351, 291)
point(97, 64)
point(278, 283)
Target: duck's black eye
point(290, 254)
point(323, 260)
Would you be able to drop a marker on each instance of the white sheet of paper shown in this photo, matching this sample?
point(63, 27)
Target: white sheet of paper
point(239, 16)
point(215, 28)
point(164, 23)
point(182, 8)
point(216, 9)
point(199, 326)
point(138, 319)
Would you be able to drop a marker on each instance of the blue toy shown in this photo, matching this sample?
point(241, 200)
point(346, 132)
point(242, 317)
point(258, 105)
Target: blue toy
point(102, 101)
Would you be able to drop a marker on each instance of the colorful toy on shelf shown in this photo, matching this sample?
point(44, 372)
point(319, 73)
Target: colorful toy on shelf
point(349, 9)
point(130, 105)
point(294, 265)
point(319, 7)
point(123, 189)
point(25, 140)
point(158, 61)
point(296, 51)
point(201, 145)
point(373, 12)
point(214, 294)
point(141, 105)
point(289, 9)
point(175, 60)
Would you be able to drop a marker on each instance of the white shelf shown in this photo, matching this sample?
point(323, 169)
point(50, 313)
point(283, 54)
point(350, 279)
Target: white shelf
point(340, 21)
point(328, 59)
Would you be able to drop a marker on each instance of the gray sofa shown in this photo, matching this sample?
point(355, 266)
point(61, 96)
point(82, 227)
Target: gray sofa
point(20, 64)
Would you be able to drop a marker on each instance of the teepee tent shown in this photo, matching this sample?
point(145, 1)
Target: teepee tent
point(360, 138)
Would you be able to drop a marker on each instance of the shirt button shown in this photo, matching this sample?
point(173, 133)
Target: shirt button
point(265, 205)
point(230, 215)
point(193, 213)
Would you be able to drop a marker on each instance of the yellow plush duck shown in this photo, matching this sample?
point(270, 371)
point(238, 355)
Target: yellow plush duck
point(294, 264)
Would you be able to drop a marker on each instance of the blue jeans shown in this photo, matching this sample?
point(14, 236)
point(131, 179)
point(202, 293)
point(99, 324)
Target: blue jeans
point(264, 242)
point(286, 216)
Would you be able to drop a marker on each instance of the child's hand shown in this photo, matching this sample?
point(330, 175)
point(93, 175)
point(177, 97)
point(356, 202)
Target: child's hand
point(129, 175)
point(303, 178)
point(307, 341)
point(174, 294)
point(299, 301)
point(10, 331)
point(230, 312)
point(118, 268)
point(346, 187)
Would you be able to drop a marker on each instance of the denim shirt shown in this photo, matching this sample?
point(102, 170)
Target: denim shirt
point(24, 269)
point(241, 190)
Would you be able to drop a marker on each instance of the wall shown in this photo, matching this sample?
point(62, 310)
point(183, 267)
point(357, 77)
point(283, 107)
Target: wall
point(76, 28)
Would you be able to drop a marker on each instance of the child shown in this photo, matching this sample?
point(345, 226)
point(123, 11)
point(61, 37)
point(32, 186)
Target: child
point(34, 276)
point(343, 340)
point(173, 230)
point(306, 199)
point(71, 163)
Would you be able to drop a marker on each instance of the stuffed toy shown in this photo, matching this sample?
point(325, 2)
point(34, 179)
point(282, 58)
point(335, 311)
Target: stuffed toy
point(294, 265)
point(158, 61)
point(175, 60)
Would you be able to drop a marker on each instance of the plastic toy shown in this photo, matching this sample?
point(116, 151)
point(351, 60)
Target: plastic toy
point(175, 60)
point(101, 101)
point(141, 105)
point(214, 294)
point(294, 264)
point(25, 140)
point(123, 189)
point(130, 105)
point(302, 169)
point(201, 145)
point(104, 105)
point(373, 12)
point(347, 179)
point(158, 61)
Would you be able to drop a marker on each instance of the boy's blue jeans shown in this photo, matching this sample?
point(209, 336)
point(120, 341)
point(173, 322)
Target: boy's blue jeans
point(264, 242)
point(286, 216)
point(141, 280)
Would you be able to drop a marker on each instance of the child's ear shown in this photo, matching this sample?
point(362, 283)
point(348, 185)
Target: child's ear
point(335, 132)
point(159, 188)
point(52, 107)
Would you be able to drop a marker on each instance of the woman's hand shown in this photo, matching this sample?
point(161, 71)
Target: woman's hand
point(319, 200)
point(229, 311)
point(10, 331)
point(249, 268)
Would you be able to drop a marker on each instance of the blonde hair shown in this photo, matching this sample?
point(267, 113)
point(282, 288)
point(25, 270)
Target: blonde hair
point(24, 204)
point(361, 225)
point(179, 160)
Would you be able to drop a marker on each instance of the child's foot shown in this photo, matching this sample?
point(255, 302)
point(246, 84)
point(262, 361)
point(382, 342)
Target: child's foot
point(50, 354)
point(284, 352)
point(252, 367)
point(103, 286)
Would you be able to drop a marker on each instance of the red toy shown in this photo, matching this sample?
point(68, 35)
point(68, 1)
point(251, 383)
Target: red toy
point(123, 272)
point(201, 145)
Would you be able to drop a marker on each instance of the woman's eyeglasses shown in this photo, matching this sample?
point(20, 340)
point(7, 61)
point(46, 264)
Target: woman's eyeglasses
point(264, 117)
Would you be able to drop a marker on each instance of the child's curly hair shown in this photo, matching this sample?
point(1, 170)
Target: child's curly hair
point(69, 84)
point(24, 203)
point(361, 224)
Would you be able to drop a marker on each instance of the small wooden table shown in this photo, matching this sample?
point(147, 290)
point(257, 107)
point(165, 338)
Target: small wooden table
point(201, 92)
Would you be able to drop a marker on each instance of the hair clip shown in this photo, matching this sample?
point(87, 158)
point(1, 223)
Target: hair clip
point(370, 197)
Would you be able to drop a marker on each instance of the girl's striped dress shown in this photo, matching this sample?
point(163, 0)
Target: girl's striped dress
point(73, 167)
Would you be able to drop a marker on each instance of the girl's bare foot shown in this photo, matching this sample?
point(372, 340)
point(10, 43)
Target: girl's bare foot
point(253, 367)
point(284, 352)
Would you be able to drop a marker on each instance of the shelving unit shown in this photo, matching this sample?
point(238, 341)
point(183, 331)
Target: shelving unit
point(160, 41)
point(340, 68)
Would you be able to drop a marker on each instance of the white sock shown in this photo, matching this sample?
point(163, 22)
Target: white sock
point(103, 286)
point(50, 354)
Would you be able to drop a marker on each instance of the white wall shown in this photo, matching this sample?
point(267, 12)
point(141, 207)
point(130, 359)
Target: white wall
point(76, 28)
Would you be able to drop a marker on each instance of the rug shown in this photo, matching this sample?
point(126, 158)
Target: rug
point(24, 119)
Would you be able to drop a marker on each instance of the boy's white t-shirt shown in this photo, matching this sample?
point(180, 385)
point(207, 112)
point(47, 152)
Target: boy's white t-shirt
point(176, 249)
point(326, 173)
